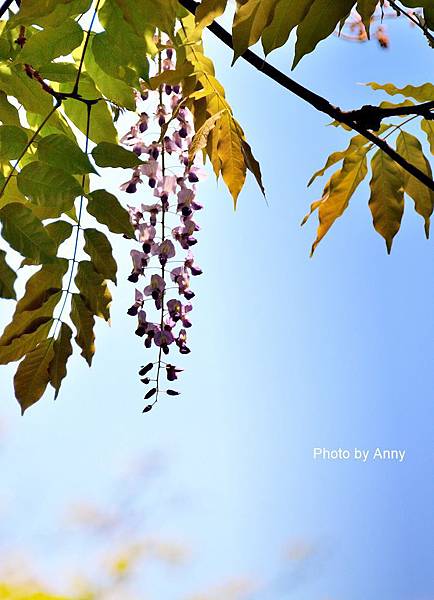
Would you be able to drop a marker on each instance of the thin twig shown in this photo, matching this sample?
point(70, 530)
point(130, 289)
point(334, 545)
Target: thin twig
point(315, 100)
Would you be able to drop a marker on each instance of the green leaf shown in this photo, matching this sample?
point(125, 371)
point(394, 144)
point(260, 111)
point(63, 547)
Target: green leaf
point(59, 71)
point(101, 123)
point(115, 90)
point(43, 46)
point(106, 154)
point(25, 233)
point(13, 140)
point(338, 192)
point(62, 351)
point(8, 112)
point(59, 231)
point(122, 55)
point(410, 148)
point(27, 91)
point(48, 186)
point(7, 278)
point(60, 151)
point(32, 377)
point(319, 23)
point(84, 323)
point(387, 196)
point(250, 20)
point(107, 210)
point(32, 10)
point(42, 284)
point(160, 14)
point(100, 251)
point(287, 15)
point(93, 289)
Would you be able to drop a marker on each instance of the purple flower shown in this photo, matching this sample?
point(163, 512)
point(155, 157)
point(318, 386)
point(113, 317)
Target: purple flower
point(156, 290)
point(190, 264)
point(152, 170)
point(172, 372)
point(181, 342)
point(133, 310)
point(165, 250)
point(130, 186)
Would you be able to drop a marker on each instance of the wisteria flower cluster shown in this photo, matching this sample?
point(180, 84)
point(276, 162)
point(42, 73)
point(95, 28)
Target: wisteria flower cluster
point(162, 262)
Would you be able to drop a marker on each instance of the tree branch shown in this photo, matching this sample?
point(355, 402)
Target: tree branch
point(5, 6)
point(352, 119)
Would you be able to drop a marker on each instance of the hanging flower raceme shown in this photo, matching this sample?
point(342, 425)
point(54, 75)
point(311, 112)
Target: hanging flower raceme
point(165, 226)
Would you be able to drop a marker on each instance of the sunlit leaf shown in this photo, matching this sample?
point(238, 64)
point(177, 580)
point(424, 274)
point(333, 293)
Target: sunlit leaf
point(387, 196)
point(93, 289)
point(251, 18)
point(100, 251)
point(233, 167)
point(43, 46)
point(428, 128)
point(61, 152)
point(32, 377)
point(200, 138)
point(62, 351)
point(28, 92)
point(8, 112)
point(421, 93)
point(287, 15)
point(48, 186)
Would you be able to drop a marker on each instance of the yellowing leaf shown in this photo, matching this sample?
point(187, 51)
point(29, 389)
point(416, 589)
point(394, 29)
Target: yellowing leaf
point(100, 251)
point(32, 377)
point(410, 148)
point(84, 322)
point(62, 351)
point(421, 93)
point(387, 196)
point(42, 284)
point(428, 128)
point(25, 343)
point(208, 10)
point(7, 278)
point(338, 192)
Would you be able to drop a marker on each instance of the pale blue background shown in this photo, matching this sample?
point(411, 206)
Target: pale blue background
point(287, 354)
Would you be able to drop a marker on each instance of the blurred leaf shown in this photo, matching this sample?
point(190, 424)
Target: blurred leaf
point(99, 249)
point(43, 46)
point(60, 151)
point(7, 278)
point(62, 351)
point(106, 154)
point(48, 186)
point(387, 196)
point(366, 9)
point(25, 233)
point(107, 210)
point(32, 377)
point(410, 148)
point(84, 322)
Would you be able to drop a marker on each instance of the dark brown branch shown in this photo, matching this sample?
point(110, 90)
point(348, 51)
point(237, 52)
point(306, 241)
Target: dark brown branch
point(429, 36)
point(5, 6)
point(315, 100)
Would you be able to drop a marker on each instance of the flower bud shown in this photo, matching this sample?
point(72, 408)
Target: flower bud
point(145, 369)
point(150, 393)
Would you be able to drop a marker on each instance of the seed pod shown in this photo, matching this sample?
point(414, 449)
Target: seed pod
point(172, 393)
point(150, 393)
point(147, 408)
point(145, 369)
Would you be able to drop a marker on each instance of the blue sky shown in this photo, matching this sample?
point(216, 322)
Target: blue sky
point(288, 353)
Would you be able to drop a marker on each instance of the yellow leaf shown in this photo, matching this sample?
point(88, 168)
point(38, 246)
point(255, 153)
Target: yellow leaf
point(287, 15)
point(338, 192)
point(410, 148)
point(387, 196)
point(428, 128)
point(93, 289)
point(32, 376)
point(200, 138)
point(233, 168)
point(208, 10)
point(25, 343)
